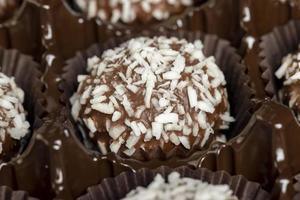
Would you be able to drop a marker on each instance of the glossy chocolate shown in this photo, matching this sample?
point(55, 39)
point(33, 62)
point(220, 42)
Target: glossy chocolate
point(57, 155)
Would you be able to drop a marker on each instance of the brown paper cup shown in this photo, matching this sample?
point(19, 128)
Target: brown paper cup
point(27, 76)
point(118, 187)
point(274, 47)
point(226, 58)
point(71, 31)
point(28, 166)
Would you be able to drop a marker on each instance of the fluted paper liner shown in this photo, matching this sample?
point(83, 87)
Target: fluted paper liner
point(27, 76)
point(71, 31)
point(118, 187)
point(273, 48)
point(26, 169)
point(250, 154)
point(226, 58)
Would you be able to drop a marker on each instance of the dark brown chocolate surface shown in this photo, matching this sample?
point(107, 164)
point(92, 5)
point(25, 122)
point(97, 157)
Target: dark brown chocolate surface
point(56, 151)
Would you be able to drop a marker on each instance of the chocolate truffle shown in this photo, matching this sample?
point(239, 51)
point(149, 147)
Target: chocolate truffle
point(152, 93)
point(289, 71)
point(13, 124)
point(180, 188)
point(8, 8)
point(128, 11)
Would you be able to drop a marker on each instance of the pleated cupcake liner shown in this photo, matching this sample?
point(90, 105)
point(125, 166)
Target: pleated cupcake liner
point(73, 167)
point(118, 187)
point(226, 58)
point(273, 47)
point(27, 76)
point(71, 31)
point(26, 167)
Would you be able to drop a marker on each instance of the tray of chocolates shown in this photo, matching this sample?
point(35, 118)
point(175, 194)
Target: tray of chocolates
point(150, 99)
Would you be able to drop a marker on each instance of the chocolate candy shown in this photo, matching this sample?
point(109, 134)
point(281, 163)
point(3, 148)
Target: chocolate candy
point(152, 94)
point(13, 124)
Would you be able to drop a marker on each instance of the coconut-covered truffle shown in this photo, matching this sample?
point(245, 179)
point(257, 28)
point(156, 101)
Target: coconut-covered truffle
point(152, 93)
point(8, 8)
point(289, 71)
point(13, 124)
point(128, 11)
point(181, 188)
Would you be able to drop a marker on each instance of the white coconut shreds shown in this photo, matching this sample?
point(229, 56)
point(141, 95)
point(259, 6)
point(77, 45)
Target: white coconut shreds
point(289, 71)
point(128, 11)
point(180, 188)
point(13, 122)
point(152, 91)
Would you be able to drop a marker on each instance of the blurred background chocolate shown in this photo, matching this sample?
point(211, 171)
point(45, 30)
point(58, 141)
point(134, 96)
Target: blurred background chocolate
point(9, 194)
point(260, 17)
point(220, 17)
point(8, 8)
point(20, 27)
point(131, 11)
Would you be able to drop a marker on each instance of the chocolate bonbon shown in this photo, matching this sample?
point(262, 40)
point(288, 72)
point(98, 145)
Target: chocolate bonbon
point(261, 141)
point(139, 97)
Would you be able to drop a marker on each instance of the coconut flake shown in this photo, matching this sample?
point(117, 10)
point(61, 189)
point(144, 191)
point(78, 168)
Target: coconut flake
point(116, 116)
point(135, 128)
point(127, 106)
point(205, 106)
point(167, 118)
point(184, 141)
point(131, 141)
point(157, 129)
point(116, 131)
point(106, 108)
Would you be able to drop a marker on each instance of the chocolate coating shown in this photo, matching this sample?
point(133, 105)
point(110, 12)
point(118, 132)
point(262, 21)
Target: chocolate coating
point(13, 125)
point(129, 11)
point(152, 95)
